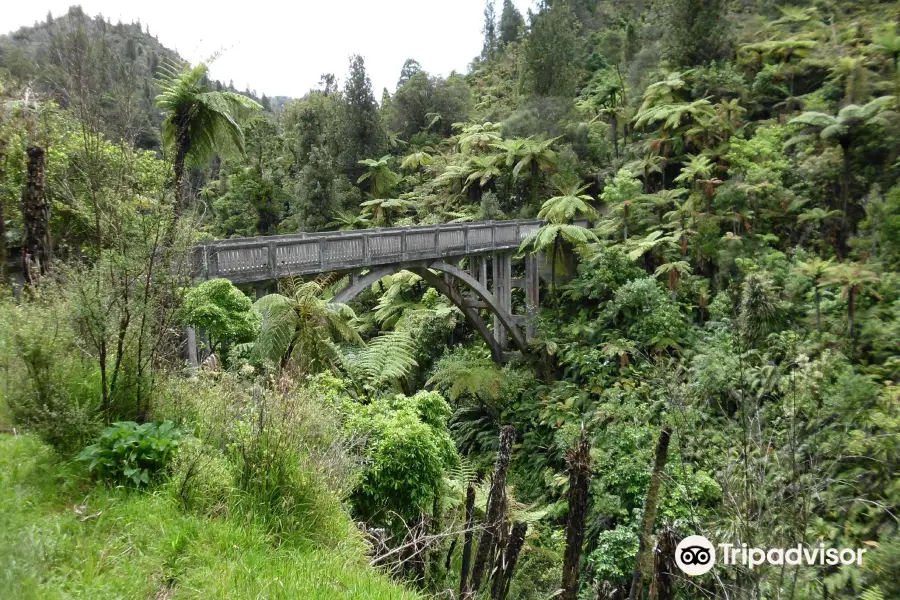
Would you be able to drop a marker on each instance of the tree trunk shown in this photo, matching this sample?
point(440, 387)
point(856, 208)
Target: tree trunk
point(664, 566)
point(36, 216)
point(507, 563)
point(614, 129)
point(851, 309)
point(818, 312)
point(845, 188)
point(495, 509)
point(435, 571)
point(467, 546)
point(579, 464)
point(650, 504)
point(4, 275)
point(181, 149)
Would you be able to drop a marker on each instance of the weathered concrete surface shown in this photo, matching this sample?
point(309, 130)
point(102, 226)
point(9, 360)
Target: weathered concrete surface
point(370, 254)
point(249, 260)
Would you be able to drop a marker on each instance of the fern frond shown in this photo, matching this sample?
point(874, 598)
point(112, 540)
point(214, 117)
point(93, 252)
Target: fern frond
point(387, 359)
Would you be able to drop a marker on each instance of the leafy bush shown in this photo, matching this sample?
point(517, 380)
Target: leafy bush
point(128, 452)
point(48, 387)
point(407, 452)
point(222, 310)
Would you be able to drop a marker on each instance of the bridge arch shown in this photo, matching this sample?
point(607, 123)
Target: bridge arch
point(426, 270)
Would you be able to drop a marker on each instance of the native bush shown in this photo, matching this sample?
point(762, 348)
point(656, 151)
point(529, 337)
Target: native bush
point(222, 310)
point(48, 387)
point(130, 453)
point(275, 456)
point(407, 451)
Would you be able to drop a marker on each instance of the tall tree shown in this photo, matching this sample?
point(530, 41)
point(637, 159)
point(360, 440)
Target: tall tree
point(852, 278)
point(844, 129)
point(489, 30)
point(697, 31)
point(410, 68)
point(550, 55)
point(199, 122)
point(362, 133)
point(511, 23)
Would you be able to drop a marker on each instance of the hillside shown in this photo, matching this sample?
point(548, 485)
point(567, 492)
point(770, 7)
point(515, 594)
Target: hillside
point(98, 68)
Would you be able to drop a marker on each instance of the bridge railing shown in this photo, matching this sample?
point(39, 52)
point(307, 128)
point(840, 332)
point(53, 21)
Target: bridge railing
point(244, 260)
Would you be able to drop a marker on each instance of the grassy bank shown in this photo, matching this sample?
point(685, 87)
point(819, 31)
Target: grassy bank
point(62, 536)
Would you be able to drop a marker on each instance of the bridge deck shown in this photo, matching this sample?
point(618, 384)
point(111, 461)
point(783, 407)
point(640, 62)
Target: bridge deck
point(247, 260)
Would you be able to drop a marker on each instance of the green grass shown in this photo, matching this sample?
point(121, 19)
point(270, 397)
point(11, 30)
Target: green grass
point(62, 536)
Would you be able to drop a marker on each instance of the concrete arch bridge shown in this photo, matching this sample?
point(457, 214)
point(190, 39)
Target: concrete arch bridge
point(469, 263)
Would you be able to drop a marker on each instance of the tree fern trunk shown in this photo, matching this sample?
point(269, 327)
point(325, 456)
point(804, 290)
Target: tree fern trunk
point(510, 556)
point(851, 309)
point(579, 464)
point(467, 546)
point(493, 518)
point(182, 143)
point(650, 504)
point(36, 216)
point(664, 566)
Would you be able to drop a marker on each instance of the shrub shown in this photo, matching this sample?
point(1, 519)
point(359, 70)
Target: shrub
point(222, 310)
point(202, 477)
point(128, 452)
point(47, 386)
point(276, 457)
point(407, 452)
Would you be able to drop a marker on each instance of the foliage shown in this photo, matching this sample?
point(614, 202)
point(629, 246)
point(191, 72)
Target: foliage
point(719, 186)
point(132, 453)
point(222, 310)
point(291, 328)
point(55, 523)
point(408, 452)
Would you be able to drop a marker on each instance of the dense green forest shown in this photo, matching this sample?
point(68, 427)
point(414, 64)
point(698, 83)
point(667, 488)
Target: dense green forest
point(716, 349)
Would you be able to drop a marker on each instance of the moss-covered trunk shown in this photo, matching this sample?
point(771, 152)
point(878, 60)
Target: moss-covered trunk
point(579, 464)
point(36, 216)
point(495, 510)
point(651, 501)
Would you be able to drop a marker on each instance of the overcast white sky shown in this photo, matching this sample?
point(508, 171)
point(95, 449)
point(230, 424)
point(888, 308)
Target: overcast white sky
point(282, 48)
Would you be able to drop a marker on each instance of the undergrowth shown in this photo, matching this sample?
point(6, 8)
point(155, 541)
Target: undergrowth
point(62, 536)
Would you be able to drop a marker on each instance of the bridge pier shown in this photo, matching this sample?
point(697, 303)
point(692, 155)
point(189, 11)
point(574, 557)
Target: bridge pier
point(502, 272)
point(532, 295)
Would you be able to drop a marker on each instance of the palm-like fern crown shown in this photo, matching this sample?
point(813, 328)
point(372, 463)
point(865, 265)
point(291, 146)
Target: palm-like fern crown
point(199, 121)
point(300, 323)
point(840, 128)
point(462, 375)
point(568, 206)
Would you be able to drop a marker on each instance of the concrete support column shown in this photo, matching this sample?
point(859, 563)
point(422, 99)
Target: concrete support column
point(261, 289)
point(192, 357)
point(482, 271)
point(502, 271)
point(532, 295)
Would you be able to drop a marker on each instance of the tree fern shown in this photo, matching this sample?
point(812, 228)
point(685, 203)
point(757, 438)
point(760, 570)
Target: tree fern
point(460, 376)
point(384, 361)
point(302, 326)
